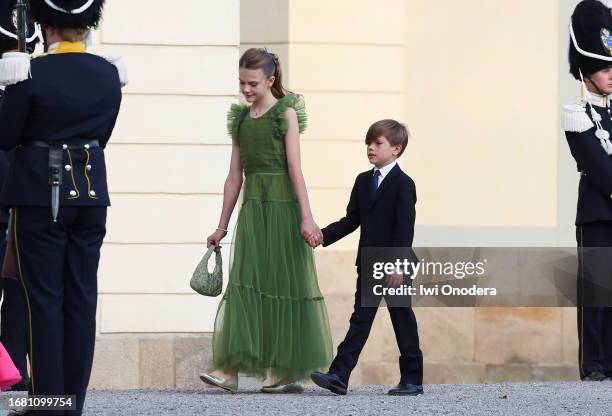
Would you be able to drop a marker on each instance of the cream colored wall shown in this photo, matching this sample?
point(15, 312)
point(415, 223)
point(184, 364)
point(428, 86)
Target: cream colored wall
point(482, 100)
point(478, 91)
point(167, 160)
point(476, 83)
point(569, 90)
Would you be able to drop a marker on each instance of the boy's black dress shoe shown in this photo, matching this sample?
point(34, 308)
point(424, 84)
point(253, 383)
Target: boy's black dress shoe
point(595, 376)
point(405, 389)
point(329, 381)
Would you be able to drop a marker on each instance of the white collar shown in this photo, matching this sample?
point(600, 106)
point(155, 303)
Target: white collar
point(384, 171)
point(596, 99)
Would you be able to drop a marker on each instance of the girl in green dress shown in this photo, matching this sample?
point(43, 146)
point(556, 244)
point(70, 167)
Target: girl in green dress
point(272, 315)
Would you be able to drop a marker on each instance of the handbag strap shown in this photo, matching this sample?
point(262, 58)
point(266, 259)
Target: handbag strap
point(218, 260)
point(208, 254)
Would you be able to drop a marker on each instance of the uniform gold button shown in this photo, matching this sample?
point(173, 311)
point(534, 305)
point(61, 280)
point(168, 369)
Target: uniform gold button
point(86, 146)
point(64, 146)
point(88, 167)
point(68, 168)
point(92, 193)
point(73, 193)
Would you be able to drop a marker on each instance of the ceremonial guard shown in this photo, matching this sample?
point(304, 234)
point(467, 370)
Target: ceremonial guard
point(13, 315)
point(587, 128)
point(59, 121)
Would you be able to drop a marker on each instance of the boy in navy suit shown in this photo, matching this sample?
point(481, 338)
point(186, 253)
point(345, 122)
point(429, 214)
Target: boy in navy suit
point(382, 203)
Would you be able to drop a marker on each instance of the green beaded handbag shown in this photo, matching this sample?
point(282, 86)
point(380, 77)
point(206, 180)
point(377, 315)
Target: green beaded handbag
point(205, 282)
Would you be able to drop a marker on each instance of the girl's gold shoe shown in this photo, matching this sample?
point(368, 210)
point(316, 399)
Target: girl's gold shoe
point(229, 384)
point(284, 387)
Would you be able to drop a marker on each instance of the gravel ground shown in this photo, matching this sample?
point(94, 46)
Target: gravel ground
point(525, 399)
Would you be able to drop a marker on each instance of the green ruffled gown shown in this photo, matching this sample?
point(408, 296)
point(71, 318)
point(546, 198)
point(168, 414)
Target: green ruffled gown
point(272, 315)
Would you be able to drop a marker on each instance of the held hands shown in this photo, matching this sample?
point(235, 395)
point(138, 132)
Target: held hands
point(215, 239)
point(311, 233)
point(394, 280)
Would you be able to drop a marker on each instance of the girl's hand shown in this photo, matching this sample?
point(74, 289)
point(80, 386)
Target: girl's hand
point(311, 232)
point(215, 239)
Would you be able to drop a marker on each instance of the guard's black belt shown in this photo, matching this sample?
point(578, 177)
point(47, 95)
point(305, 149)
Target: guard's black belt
point(56, 158)
point(70, 144)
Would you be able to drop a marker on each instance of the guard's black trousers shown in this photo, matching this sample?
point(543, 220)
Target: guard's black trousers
point(58, 266)
point(406, 334)
point(594, 282)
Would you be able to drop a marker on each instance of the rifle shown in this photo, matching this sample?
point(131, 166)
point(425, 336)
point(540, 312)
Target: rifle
point(22, 25)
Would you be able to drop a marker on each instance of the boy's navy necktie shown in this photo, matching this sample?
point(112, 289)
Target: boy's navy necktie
point(374, 183)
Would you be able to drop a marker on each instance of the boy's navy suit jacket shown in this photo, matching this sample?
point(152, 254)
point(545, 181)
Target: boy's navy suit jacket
point(386, 220)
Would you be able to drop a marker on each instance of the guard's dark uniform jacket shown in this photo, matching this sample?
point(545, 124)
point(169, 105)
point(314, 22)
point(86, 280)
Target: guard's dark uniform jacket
point(595, 166)
point(594, 239)
point(70, 96)
point(5, 161)
point(5, 157)
point(65, 112)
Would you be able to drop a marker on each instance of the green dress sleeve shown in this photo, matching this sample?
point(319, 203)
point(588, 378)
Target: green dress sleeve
point(281, 125)
point(235, 115)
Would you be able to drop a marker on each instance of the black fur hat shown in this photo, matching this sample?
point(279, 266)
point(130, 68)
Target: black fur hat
point(590, 48)
point(8, 28)
point(76, 14)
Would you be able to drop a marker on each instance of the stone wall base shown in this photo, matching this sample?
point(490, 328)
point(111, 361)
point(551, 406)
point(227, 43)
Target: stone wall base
point(169, 361)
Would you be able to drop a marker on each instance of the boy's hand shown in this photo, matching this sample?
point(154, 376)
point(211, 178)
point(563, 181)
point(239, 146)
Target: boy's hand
point(394, 280)
point(315, 241)
point(311, 233)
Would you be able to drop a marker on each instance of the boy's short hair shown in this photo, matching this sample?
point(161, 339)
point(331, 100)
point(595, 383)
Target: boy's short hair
point(394, 131)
